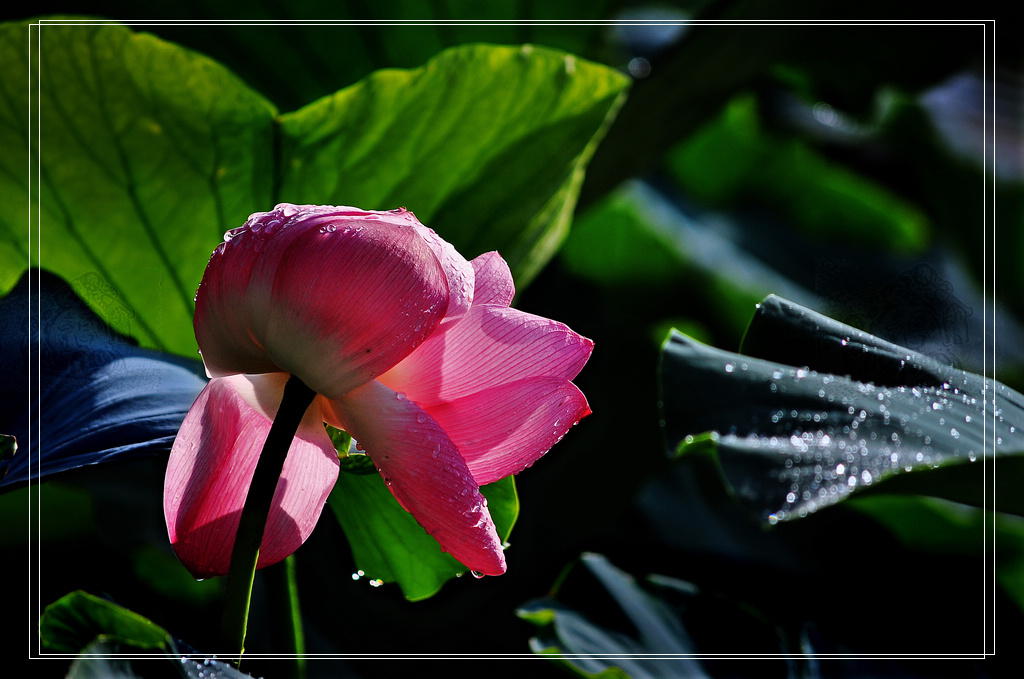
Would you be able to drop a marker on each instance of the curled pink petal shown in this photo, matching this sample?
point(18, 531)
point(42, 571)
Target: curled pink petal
point(333, 295)
point(505, 429)
point(490, 345)
point(494, 283)
point(212, 463)
point(424, 471)
point(459, 272)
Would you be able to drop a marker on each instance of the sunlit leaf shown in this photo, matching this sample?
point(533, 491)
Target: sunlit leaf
point(387, 543)
point(486, 144)
point(147, 153)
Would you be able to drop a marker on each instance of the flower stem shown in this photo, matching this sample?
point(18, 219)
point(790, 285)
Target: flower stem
point(244, 554)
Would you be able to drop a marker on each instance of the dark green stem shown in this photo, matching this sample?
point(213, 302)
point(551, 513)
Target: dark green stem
point(297, 397)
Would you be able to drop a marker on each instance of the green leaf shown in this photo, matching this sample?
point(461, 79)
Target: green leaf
point(106, 636)
point(74, 621)
point(389, 545)
point(731, 161)
point(639, 237)
point(617, 242)
point(791, 440)
point(486, 144)
point(147, 153)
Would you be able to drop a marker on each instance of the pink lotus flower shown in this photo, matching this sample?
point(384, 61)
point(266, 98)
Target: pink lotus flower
point(410, 348)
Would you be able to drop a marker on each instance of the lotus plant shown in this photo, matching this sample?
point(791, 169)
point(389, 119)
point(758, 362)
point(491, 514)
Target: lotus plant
point(394, 338)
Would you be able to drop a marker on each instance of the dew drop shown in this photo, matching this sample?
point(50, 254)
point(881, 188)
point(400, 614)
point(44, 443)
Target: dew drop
point(477, 574)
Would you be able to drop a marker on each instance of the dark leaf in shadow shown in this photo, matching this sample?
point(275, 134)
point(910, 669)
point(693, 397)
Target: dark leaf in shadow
point(75, 392)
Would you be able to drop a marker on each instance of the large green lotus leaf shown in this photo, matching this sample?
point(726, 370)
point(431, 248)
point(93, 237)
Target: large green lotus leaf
point(486, 144)
point(857, 412)
point(387, 543)
point(147, 153)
